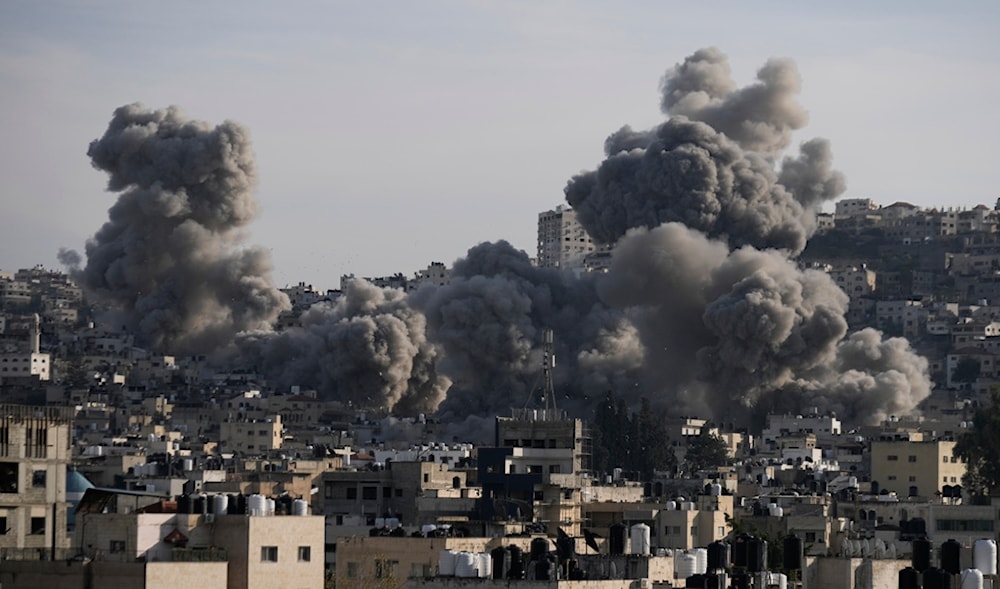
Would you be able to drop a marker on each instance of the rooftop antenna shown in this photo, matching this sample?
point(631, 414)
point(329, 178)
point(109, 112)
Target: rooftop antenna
point(547, 399)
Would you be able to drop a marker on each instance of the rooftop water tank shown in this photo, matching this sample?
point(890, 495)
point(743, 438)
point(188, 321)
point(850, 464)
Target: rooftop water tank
point(984, 556)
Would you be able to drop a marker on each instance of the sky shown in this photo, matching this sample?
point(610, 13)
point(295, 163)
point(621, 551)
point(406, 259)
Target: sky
point(390, 134)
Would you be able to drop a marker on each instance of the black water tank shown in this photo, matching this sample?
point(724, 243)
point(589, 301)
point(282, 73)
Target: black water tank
point(516, 570)
point(539, 548)
point(951, 556)
point(715, 581)
point(792, 553)
point(232, 506)
point(918, 526)
point(718, 556)
point(184, 504)
point(616, 543)
point(740, 547)
point(935, 578)
point(500, 558)
point(696, 580)
point(921, 554)
point(757, 555)
point(909, 578)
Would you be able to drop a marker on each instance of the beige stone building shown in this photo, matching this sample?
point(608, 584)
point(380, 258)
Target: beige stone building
point(915, 468)
point(34, 453)
point(259, 552)
point(252, 436)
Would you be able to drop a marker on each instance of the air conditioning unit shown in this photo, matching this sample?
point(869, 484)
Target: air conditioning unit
point(209, 518)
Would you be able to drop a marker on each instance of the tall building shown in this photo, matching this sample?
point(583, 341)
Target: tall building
point(34, 453)
point(562, 241)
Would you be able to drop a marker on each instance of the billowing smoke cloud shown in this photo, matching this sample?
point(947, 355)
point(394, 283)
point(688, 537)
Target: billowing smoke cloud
point(760, 117)
point(705, 228)
point(368, 349)
point(489, 321)
point(171, 256)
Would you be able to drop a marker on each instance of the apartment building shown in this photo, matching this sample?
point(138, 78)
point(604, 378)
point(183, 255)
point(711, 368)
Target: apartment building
point(562, 240)
point(915, 468)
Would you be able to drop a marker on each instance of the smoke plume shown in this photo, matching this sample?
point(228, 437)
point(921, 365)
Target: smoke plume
point(705, 231)
point(171, 255)
point(368, 349)
point(489, 321)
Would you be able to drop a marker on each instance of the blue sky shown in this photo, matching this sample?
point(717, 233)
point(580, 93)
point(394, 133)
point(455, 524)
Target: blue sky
point(392, 134)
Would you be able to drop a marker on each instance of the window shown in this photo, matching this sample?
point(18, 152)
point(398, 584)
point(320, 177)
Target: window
point(810, 537)
point(352, 570)
point(892, 477)
point(911, 458)
point(911, 478)
point(116, 546)
point(305, 553)
point(352, 492)
point(386, 568)
point(369, 493)
point(8, 477)
point(386, 492)
point(3, 525)
point(38, 479)
point(38, 525)
point(553, 469)
point(945, 459)
point(892, 458)
point(328, 491)
point(269, 554)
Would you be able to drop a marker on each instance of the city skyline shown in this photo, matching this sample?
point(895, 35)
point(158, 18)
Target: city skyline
point(385, 140)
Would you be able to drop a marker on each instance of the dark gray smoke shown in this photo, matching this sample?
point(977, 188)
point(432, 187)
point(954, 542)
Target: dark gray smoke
point(489, 321)
point(705, 227)
point(171, 256)
point(368, 349)
point(760, 117)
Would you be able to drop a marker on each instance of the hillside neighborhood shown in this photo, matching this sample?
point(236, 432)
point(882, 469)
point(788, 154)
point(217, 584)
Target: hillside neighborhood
point(121, 466)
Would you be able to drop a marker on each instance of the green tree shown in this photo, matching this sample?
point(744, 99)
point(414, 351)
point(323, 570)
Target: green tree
point(979, 448)
point(705, 450)
point(652, 447)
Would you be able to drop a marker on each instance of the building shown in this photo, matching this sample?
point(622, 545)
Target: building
point(915, 468)
point(562, 241)
point(34, 454)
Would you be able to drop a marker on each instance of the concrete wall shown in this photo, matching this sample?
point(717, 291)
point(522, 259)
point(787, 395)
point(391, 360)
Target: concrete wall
point(175, 575)
point(853, 573)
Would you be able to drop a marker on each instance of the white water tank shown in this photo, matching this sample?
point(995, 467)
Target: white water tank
point(427, 529)
point(300, 507)
point(447, 562)
point(701, 560)
point(671, 505)
point(639, 535)
point(685, 565)
point(256, 505)
point(269, 506)
point(188, 464)
point(220, 504)
point(485, 565)
point(715, 490)
point(984, 556)
point(852, 482)
point(465, 564)
point(971, 579)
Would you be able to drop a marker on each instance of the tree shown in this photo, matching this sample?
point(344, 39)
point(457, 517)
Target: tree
point(652, 444)
point(705, 450)
point(634, 442)
point(979, 448)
